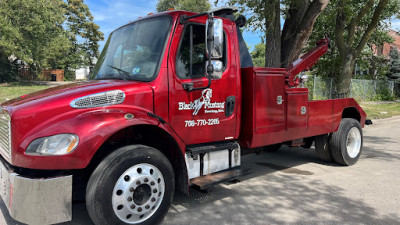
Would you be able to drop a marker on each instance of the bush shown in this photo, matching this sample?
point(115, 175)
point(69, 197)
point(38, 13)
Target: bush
point(384, 95)
point(8, 71)
point(69, 75)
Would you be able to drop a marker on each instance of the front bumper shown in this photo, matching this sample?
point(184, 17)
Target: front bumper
point(36, 200)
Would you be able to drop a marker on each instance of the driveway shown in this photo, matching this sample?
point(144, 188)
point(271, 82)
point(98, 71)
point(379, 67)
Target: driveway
point(292, 186)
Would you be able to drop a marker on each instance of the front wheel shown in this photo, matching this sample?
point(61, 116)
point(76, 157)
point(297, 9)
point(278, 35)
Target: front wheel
point(346, 142)
point(133, 185)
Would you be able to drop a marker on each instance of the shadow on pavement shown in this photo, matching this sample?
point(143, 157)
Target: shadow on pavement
point(287, 195)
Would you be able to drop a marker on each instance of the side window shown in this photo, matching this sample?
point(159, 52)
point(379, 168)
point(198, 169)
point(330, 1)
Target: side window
point(192, 57)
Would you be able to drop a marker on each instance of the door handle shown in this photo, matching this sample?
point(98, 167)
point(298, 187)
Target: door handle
point(230, 106)
point(188, 86)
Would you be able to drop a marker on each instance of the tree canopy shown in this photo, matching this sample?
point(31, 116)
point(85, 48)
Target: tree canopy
point(258, 55)
point(52, 34)
point(32, 31)
point(189, 5)
point(394, 64)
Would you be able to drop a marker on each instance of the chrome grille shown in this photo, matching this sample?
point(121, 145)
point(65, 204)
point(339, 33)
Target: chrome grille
point(5, 134)
point(99, 99)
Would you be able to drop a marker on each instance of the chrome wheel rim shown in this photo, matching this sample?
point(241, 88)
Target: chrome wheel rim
point(353, 142)
point(138, 193)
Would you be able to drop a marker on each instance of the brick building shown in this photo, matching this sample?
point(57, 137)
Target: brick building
point(385, 49)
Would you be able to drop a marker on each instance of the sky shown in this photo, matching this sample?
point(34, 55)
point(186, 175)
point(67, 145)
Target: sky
point(111, 14)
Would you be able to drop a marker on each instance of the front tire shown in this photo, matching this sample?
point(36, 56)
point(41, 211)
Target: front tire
point(133, 185)
point(346, 142)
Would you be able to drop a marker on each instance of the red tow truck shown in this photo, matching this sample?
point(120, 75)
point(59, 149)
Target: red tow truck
point(173, 102)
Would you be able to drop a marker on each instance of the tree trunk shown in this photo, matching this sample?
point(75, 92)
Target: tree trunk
point(345, 75)
point(298, 28)
point(372, 69)
point(272, 34)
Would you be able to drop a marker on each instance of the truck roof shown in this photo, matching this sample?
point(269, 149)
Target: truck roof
point(219, 11)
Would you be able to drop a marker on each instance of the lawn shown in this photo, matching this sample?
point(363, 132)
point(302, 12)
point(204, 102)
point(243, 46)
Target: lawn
point(380, 110)
point(10, 91)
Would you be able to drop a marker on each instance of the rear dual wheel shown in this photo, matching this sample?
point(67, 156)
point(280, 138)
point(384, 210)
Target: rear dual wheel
point(343, 146)
point(133, 185)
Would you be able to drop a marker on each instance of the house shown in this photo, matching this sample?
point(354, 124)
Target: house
point(385, 49)
point(84, 72)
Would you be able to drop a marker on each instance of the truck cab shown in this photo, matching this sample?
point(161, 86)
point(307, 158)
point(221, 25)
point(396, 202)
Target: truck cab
point(173, 102)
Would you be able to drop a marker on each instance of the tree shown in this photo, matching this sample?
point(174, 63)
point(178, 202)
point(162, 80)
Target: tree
point(348, 23)
point(258, 54)
point(394, 64)
point(48, 34)
point(283, 46)
point(32, 31)
point(84, 34)
point(8, 71)
point(355, 27)
point(189, 5)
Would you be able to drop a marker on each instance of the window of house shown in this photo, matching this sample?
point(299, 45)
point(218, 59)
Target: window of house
point(192, 57)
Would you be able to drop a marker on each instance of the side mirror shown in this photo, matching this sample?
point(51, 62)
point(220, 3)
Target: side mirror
point(218, 68)
point(214, 38)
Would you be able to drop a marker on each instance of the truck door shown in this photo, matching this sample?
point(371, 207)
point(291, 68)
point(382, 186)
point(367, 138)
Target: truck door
point(207, 115)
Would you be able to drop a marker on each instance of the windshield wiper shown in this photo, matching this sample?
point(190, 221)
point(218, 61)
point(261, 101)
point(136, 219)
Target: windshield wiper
point(124, 74)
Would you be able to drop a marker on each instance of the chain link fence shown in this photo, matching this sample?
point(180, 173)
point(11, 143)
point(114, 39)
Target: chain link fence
point(362, 90)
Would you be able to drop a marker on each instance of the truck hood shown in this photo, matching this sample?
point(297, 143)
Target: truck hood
point(66, 93)
point(62, 89)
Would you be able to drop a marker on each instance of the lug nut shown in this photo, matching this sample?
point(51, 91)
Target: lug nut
point(153, 199)
point(133, 206)
point(139, 209)
point(152, 183)
point(131, 189)
point(154, 190)
point(146, 180)
point(138, 182)
point(129, 199)
point(147, 207)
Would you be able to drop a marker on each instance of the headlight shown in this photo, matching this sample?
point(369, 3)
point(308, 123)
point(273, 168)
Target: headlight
point(59, 144)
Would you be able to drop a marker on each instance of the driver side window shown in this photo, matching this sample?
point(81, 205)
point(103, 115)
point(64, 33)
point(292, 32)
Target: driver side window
point(192, 57)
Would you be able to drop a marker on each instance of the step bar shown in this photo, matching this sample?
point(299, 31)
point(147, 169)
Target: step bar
point(207, 181)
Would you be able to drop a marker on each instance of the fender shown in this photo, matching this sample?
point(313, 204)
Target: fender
point(93, 127)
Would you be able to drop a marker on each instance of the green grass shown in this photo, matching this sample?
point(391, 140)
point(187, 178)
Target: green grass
point(381, 110)
point(10, 91)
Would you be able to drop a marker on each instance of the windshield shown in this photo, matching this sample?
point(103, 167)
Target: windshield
point(133, 52)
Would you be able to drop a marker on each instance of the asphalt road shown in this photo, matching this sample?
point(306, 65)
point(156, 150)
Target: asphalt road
point(293, 187)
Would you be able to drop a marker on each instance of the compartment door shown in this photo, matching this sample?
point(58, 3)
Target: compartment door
point(269, 102)
point(297, 115)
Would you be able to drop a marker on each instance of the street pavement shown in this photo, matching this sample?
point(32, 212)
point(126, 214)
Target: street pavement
point(292, 186)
